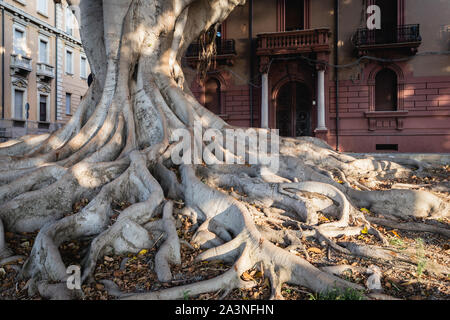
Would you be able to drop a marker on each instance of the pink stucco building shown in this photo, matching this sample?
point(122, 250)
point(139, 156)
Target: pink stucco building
point(276, 67)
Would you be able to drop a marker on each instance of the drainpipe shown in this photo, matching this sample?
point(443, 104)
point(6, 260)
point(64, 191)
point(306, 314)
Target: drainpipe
point(252, 71)
point(336, 62)
point(56, 65)
point(3, 63)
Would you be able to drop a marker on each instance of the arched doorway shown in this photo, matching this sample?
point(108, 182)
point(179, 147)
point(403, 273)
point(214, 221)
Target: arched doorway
point(293, 110)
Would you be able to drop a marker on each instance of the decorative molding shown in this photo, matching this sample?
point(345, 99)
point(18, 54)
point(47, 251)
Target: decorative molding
point(19, 82)
point(386, 120)
point(44, 88)
point(264, 63)
point(45, 33)
point(21, 21)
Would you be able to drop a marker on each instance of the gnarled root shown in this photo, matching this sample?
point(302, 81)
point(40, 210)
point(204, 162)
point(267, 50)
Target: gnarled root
point(118, 148)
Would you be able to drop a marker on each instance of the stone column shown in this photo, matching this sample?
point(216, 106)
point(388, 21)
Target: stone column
point(265, 101)
point(321, 124)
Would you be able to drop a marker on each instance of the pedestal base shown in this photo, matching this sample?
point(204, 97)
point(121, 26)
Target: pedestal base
point(321, 134)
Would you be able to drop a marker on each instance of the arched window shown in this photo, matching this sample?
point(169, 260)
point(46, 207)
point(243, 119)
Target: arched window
point(386, 91)
point(212, 96)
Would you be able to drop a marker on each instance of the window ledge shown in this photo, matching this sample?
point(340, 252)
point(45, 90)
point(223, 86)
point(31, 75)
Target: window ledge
point(386, 119)
point(22, 2)
point(44, 14)
point(385, 114)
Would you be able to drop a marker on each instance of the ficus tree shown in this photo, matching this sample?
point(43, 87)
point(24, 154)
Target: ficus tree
point(118, 145)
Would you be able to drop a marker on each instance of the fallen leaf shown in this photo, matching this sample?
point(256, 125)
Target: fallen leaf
point(395, 233)
point(315, 250)
point(247, 277)
point(365, 230)
point(142, 252)
point(364, 210)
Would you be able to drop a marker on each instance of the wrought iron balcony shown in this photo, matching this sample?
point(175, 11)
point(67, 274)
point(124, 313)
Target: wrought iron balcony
point(223, 48)
point(292, 42)
point(20, 64)
point(45, 71)
point(225, 53)
point(406, 36)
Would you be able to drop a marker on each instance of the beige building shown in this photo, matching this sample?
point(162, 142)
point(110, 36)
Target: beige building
point(44, 70)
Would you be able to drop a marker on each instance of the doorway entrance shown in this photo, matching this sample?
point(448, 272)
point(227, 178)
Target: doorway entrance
point(293, 110)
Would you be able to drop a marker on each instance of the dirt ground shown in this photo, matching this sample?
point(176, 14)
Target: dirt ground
point(134, 273)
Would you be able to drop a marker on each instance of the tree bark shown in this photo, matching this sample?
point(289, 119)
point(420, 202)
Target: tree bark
point(117, 148)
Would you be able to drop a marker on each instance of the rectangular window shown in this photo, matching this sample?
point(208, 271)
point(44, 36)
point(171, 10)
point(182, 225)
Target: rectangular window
point(43, 51)
point(19, 42)
point(70, 21)
point(42, 6)
point(43, 108)
point(18, 104)
point(83, 68)
point(68, 103)
point(295, 15)
point(69, 62)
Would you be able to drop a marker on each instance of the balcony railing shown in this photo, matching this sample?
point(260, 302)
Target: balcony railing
point(398, 36)
point(45, 71)
point(225, 53)
point(21, 63)
point(314, 40)
point(223, 48)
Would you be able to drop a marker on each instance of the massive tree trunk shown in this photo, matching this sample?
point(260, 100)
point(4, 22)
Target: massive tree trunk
point(117, 148)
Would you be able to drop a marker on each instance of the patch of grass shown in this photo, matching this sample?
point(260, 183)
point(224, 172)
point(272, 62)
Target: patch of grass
point(397, 242)
point(421, 259)
point(339, 294)
point(186, 295)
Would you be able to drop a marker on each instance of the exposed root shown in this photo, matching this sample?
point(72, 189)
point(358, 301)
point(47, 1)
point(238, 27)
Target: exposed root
point(169, 252)
point(118, 147)
point(410, 226)
point(4, 251)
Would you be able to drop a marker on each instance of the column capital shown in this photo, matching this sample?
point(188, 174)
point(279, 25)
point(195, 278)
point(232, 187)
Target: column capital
point(264, 62)
point(321, 66)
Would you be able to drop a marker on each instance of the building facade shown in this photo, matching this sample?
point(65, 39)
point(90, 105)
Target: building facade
point(313, 68)
point(44, 69)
